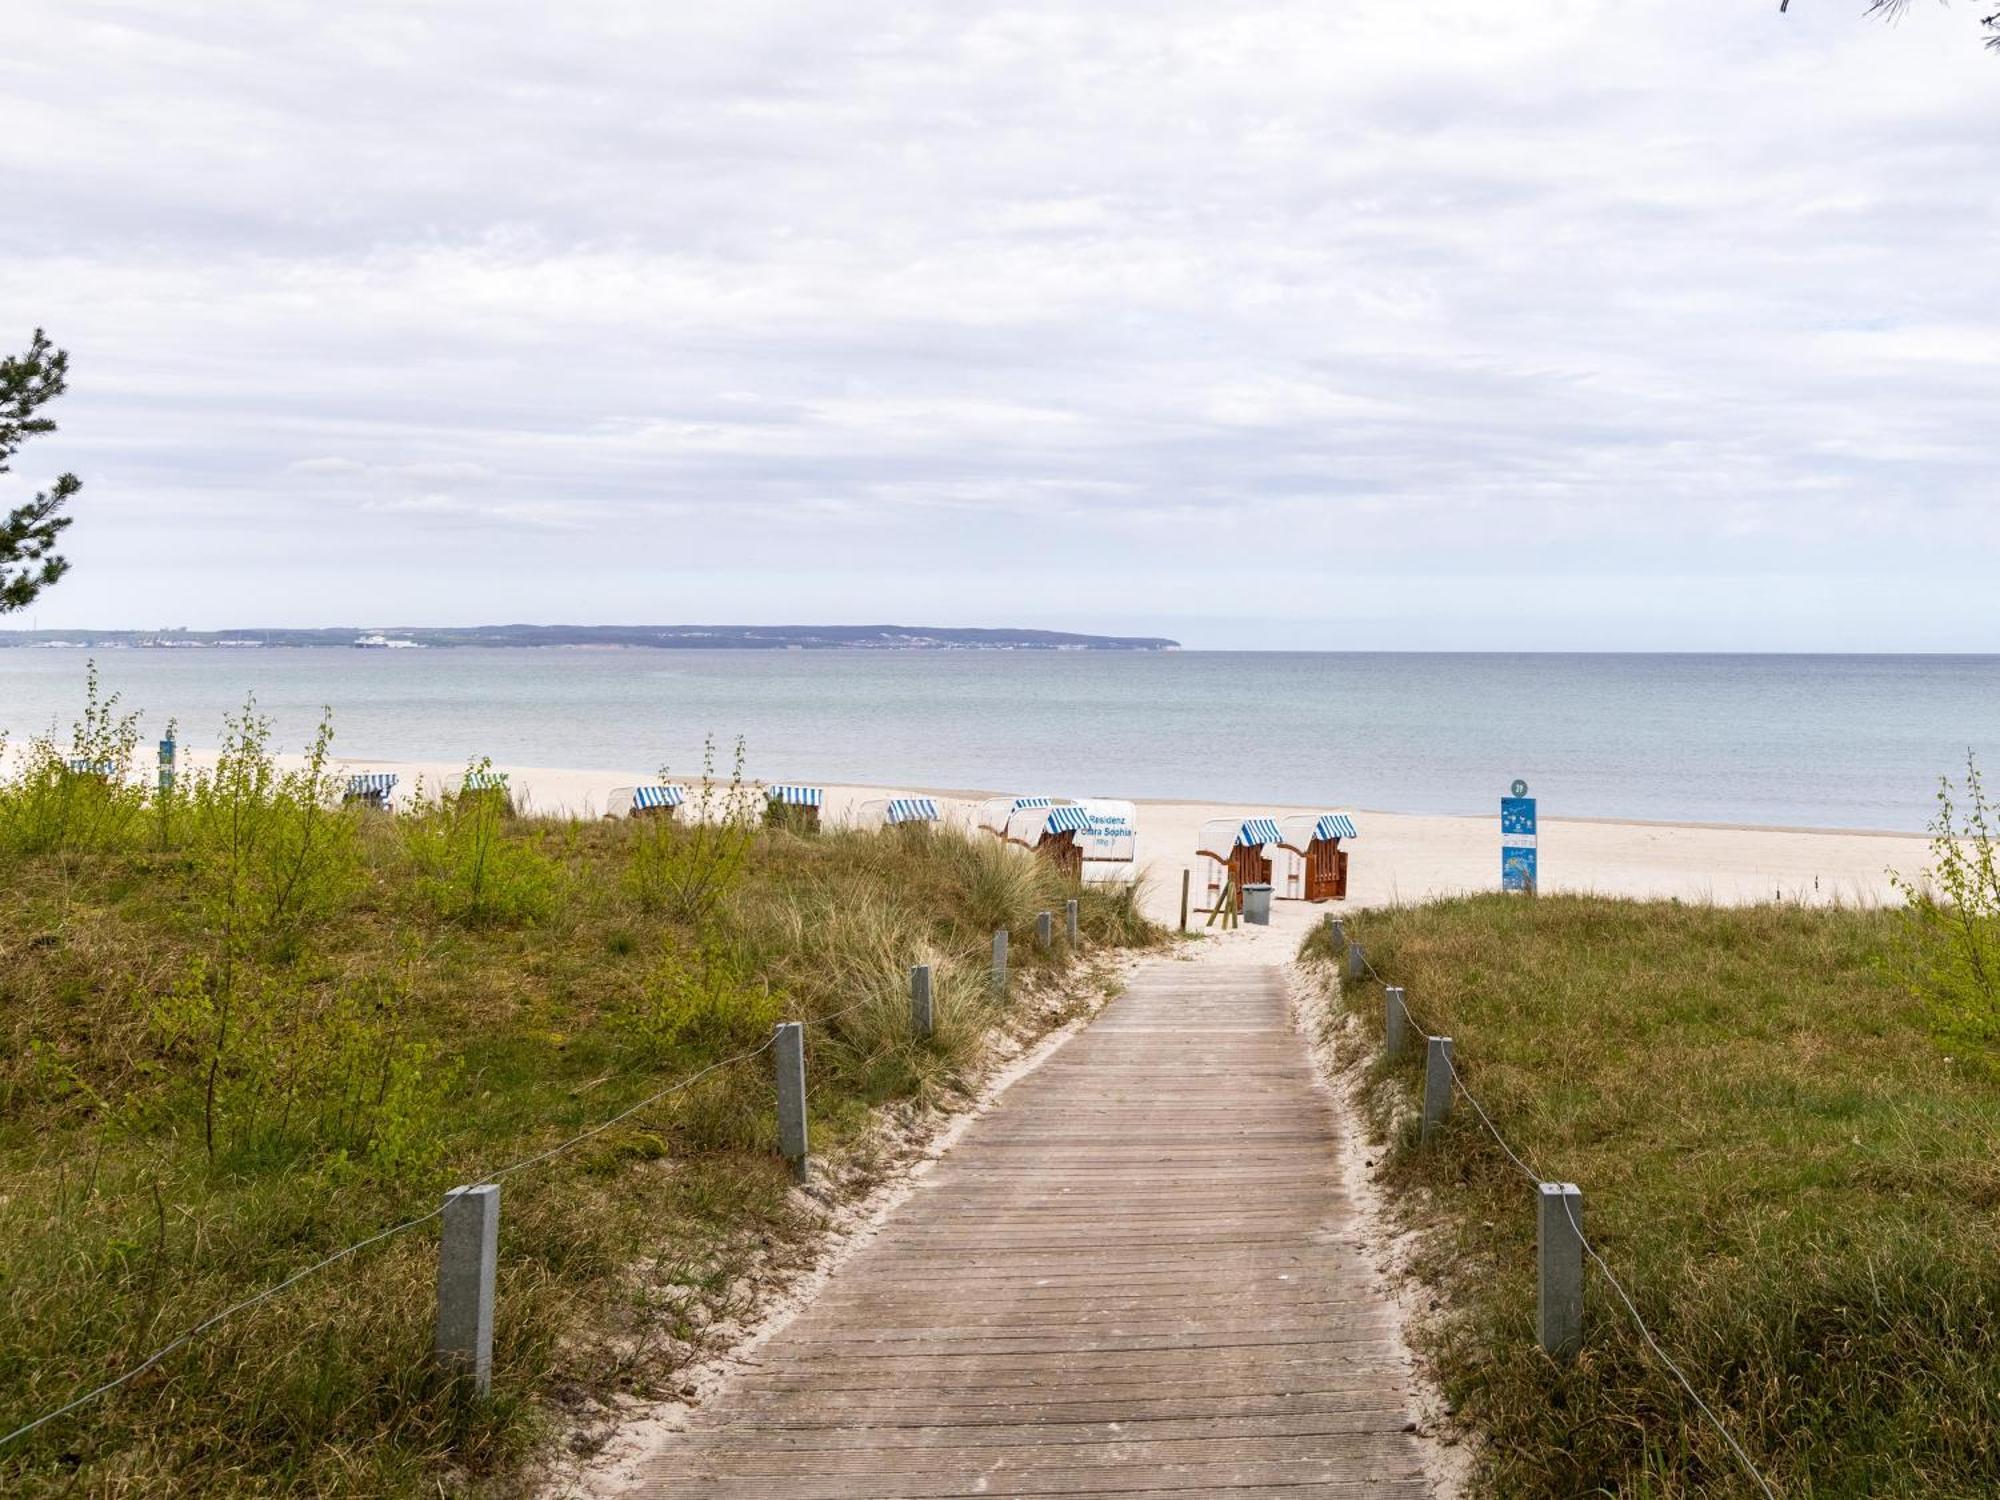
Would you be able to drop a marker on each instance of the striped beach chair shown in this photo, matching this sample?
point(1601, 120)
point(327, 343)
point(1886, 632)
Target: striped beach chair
point(657, 801)
point(370, 789)
point(795, 807)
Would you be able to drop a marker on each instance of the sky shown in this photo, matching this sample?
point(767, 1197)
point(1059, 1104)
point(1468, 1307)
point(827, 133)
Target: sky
point(1559, 324)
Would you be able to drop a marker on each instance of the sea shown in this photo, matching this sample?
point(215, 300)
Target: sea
point(1789, 741)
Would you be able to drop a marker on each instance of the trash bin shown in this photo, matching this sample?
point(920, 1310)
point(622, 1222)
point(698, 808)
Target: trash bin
point(1257, 904)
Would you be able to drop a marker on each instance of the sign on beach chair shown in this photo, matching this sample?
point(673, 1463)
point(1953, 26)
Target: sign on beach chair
point(793, 807)
point(1095, 840)
point(645, 801)
point(1307, 862)
point(370, 789)
point(1231, 852)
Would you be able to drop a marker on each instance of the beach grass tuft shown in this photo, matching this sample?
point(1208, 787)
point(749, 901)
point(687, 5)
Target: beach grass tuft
point(1794, 1172)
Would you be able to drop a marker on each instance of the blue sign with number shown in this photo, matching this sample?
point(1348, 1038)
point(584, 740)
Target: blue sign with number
point(1517, 842)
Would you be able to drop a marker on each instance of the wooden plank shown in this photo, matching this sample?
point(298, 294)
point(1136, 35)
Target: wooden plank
point(1136, 1275)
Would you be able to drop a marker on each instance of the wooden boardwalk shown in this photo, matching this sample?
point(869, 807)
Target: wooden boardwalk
point(1134, 1276)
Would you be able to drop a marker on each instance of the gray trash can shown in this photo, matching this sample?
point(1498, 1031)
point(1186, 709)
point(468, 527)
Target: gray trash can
point(1257, 904)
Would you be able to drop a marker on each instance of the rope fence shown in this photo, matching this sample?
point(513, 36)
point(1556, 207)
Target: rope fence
point(1561, 1243)
point(468, 1245)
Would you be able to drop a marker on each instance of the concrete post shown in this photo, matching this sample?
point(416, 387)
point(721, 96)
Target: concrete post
point(923, 1020)
point(1000, 961)
point(1437, 1083)
point(1395, 1021)
point(1357, 961)
point(1072, 916)
point(1045, 931)
point(790, 1051)
point(1186, 876)
point(468, 1253)
point(1338, 930)
point(1559, 1308)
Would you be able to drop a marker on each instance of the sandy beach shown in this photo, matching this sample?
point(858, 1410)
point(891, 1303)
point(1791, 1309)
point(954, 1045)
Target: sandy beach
point(1400, 857)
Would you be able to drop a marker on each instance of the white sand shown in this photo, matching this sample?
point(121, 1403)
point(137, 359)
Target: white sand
point(1399, 856)
point(1407, 856)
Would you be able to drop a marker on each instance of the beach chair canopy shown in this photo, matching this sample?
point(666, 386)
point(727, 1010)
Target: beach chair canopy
point(797, 796)
point(1072, 818)
point(1335, 826)
point(1021, 803)
point(1257, 832)
point(371, 784)
point(657, 796)
point(912, 810)
point(484, 781)
point(93, 768)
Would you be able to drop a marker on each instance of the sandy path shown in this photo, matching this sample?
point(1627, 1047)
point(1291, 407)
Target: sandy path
point(1140, 1271)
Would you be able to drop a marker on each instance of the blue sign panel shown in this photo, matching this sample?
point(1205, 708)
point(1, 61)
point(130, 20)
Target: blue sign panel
point(1517, 841)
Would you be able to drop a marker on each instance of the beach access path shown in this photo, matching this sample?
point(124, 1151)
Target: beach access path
point(1137, 1274)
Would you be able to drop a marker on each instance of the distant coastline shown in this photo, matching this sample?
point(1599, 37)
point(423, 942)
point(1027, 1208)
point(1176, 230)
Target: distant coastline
point(656, 637)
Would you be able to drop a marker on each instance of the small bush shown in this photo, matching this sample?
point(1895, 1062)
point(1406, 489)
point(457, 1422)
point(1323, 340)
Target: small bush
point(687, 864)
point(78, 801)
point(469, 869)
point(1952, 926)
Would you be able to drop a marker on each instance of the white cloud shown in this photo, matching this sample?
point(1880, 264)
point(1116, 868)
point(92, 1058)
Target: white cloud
point(1651, 291)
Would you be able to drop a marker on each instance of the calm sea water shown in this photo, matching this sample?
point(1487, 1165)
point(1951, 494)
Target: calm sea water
point(1838, 741)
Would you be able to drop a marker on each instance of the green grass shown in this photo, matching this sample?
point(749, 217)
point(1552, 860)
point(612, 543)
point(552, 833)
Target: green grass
point(1797, 1179)
point(410, 1002)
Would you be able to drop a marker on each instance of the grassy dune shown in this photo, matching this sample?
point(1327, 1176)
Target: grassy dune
point(1797, 1178)
point(240, 1031)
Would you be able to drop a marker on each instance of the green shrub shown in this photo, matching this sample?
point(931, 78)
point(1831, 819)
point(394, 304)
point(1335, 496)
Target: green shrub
point(78, 801)
point(686, 865)
point(469, 868)
point(1952, 926)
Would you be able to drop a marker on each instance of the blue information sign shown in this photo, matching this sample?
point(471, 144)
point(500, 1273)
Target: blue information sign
point(1517, 841)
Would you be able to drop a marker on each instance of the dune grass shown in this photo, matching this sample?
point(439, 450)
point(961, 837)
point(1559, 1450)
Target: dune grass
point(1795, 1171)
point(242, 1029)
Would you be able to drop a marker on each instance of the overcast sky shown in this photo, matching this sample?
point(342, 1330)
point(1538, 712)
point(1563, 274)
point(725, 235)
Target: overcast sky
point(1557, 323)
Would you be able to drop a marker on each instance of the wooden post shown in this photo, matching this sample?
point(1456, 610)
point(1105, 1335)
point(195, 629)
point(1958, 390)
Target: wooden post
point(1186, 876)
point(1559, 1244)
point(1000, 961)
point(923, 1019)
point(468, 1255)
point(1395, 1021)
point(1045, 931)
point(1073, 916)
point(1357, 961)
point(1437, 1083)
point(790, 1053)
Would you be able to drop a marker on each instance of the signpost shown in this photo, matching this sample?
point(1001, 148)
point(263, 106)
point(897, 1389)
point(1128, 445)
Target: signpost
point(1517, 840)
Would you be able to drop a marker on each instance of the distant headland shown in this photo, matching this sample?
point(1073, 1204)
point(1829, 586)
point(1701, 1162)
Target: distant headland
point(664, 637)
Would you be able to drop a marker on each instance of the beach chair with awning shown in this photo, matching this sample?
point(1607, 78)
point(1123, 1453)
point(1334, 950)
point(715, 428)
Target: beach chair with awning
point(995, 813)
point(658, 801)
point(96, 770)
point(370, 789)
point(1231, 851)
point(795, 807)
point(1307, 861)
point(898, 812)
point(487, 785)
